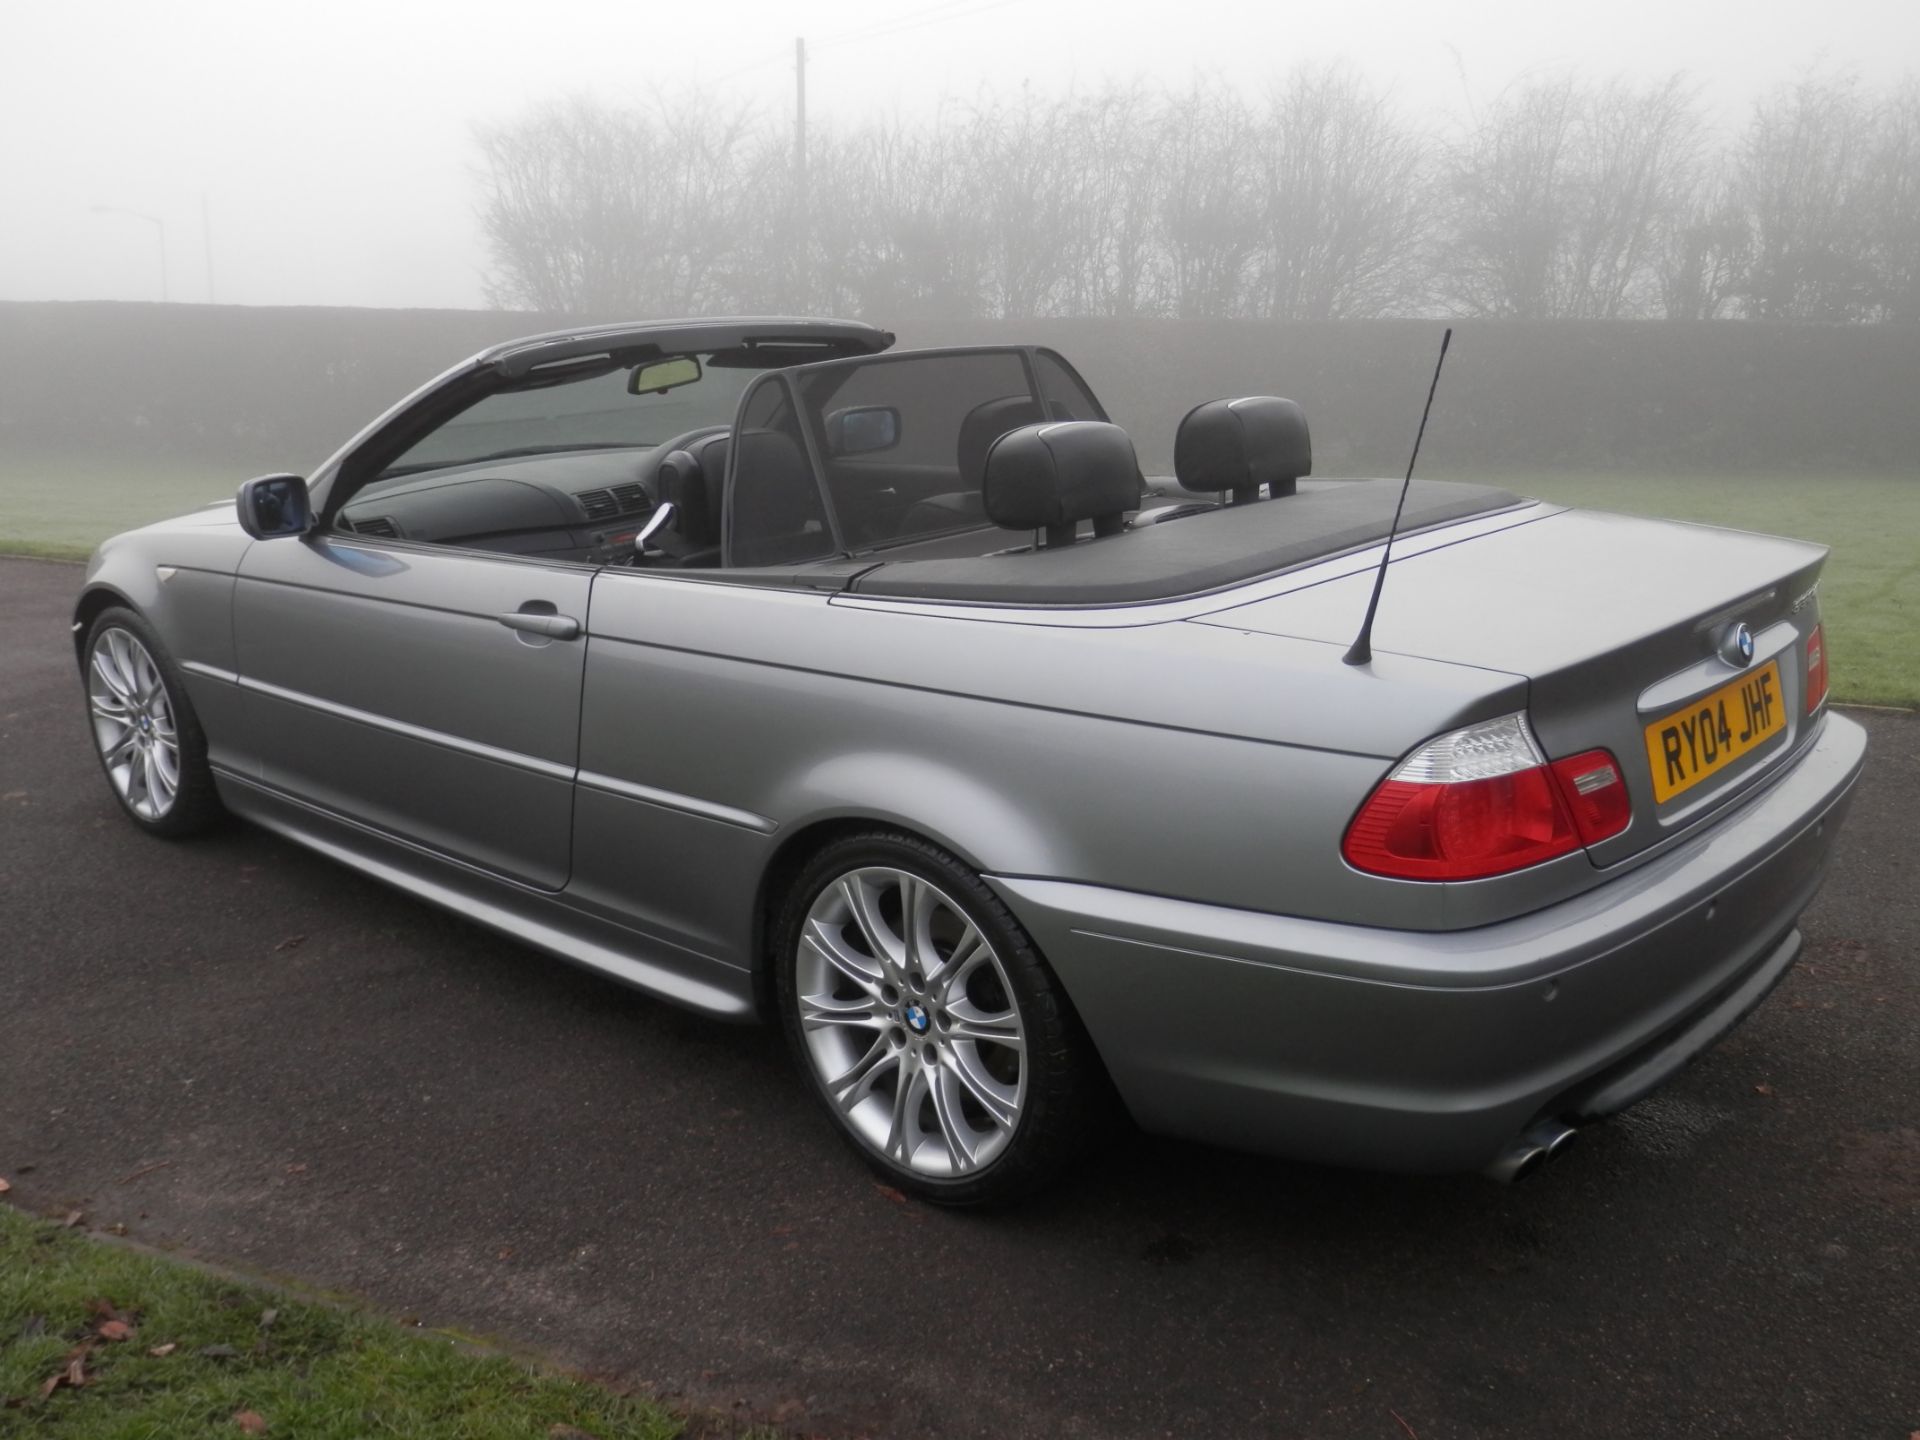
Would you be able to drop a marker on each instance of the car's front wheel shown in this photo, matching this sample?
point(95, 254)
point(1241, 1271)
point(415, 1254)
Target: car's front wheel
point(931, 1029)
point(144, 730)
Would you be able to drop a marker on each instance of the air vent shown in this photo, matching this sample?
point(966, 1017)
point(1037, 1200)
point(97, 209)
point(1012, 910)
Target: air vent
point(630, 498)
point(376, 525)
point(598, 504)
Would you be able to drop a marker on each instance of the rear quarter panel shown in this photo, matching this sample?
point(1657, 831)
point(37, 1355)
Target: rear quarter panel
point(1169, 758)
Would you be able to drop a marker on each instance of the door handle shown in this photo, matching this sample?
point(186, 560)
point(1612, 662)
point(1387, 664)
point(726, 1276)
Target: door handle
point(533, 622)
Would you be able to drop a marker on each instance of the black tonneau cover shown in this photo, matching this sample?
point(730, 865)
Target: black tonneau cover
point(1188, 556)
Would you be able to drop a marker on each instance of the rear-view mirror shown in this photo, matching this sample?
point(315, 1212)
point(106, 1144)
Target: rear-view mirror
point(274, 505)
point(661, 376)
point(863, 430)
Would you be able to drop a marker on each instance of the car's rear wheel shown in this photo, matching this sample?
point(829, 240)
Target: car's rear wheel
point(144, 730)
point(932, 1031)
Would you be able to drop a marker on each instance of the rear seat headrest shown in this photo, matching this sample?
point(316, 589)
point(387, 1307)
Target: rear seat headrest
point(1053, 475)
point(1240, 445)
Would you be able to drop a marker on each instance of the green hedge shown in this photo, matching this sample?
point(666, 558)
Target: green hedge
point(281, 388)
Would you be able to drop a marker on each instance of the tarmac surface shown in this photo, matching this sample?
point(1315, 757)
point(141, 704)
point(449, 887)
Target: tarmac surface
point(241, 1051)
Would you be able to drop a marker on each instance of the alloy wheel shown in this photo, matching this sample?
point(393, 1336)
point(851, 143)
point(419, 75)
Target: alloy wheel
point(133, 724)
point(909, 1022)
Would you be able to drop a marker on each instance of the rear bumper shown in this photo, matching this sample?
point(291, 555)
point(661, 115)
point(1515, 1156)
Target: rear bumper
point(1430, 1051)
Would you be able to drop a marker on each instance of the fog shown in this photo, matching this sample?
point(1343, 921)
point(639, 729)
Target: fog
point(326, 155)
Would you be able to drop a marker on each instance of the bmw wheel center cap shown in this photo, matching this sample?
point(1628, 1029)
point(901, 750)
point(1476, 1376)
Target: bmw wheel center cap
point(917, 1019)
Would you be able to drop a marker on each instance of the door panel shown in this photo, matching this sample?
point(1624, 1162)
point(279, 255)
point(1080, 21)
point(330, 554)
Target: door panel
point(382, 684)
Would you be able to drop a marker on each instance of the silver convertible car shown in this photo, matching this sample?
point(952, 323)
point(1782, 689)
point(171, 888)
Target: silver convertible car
point(879, 695)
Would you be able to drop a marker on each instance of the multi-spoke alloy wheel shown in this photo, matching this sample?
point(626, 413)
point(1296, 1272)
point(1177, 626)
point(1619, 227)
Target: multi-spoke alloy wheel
point(149, 743)
point(932, 1031)
point(909, 1022)
point(133, 724)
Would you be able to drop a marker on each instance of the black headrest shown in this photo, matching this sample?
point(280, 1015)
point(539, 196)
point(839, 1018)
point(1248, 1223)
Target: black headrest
point(985, 424)
point(1051, 476)
point(1240, 445)
point(692, 479)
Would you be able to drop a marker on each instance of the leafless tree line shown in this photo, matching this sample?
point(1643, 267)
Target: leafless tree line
point(1564, 198)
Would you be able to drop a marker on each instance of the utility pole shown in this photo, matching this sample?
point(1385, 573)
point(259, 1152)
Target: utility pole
point(206, 240)
point(800, 195)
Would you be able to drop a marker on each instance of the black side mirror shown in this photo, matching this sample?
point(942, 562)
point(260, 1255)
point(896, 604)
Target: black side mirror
point(274, 505)
point(862, 430)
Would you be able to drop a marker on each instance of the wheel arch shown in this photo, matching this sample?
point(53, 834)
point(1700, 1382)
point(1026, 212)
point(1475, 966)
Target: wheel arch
point(93, 600)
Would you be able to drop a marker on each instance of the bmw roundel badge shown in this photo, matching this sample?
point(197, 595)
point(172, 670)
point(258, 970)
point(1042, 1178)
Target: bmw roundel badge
point(917, 1018)
point(1736, 645)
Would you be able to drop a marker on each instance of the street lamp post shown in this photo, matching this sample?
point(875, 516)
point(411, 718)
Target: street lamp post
point(160, 229)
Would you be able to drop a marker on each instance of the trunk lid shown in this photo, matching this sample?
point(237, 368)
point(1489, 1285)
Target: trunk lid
point(1619, 624)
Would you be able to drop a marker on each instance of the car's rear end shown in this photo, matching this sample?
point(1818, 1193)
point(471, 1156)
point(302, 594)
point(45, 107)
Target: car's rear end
point(1621, 861)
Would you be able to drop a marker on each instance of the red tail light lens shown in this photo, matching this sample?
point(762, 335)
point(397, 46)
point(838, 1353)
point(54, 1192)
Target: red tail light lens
point(1484, 801)
point(1816, 669)
point(1596, 794)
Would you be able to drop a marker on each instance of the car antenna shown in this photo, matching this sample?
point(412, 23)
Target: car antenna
point(1361, 652)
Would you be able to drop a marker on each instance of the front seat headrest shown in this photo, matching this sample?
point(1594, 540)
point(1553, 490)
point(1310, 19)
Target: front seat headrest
point(1240, 445)
point(985, 424)
point(1053, 475)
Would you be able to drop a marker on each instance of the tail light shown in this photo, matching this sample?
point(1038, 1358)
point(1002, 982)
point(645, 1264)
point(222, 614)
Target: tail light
point(1816, 669)
point(1485, 801)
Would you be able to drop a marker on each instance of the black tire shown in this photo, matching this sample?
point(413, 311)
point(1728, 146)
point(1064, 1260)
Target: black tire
point(1066, 1103)
point(194, 805)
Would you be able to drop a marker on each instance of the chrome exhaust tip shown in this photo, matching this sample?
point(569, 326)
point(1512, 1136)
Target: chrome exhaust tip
point(1546, 1141)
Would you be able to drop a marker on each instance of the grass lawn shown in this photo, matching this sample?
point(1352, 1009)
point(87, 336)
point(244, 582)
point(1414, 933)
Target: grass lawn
point(167, 1350)
point(63, 505)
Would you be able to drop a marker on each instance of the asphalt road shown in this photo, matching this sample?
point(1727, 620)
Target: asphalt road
point(344, 1086)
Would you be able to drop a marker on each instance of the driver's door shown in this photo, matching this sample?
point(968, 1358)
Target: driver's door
point(411, 689)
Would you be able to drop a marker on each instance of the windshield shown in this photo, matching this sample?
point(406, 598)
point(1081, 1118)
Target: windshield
point(593, 412)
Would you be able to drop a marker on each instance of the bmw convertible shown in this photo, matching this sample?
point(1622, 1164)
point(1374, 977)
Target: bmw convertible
point(880, 696)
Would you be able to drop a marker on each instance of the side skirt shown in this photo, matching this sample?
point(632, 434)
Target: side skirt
point(536, 918)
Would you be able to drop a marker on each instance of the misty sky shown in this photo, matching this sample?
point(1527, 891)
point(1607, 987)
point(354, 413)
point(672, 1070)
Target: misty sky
point(333, 141)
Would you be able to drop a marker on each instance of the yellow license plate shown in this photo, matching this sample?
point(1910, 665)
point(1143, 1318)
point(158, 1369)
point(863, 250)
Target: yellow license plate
point(1687, 746)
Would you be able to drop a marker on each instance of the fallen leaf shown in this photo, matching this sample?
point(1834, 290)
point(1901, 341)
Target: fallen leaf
point(1763, 1088)
point(267, 1317)
point(4, 1187)
point(297, 1169)
point(251, 1422)
point(217, 1352)
point(76, 1371)
point(292, 942)
point(114, 1330)
point(891, 1193)
point(506, 1253)
point(74, 1217)
point(160, 1352)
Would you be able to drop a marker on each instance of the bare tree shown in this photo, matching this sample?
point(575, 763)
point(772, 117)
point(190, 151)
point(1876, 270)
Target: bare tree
point(1560, 193)
point(1208, 219)
point(1893, 184)
point(1800, 174)
point(1341, 185)
point(590, 210)
point(1704, 254)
